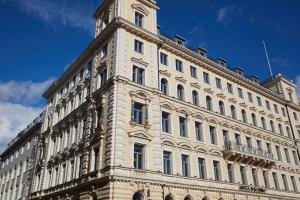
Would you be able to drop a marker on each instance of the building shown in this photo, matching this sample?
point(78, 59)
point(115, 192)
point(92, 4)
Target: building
point(140, 116)
point(17, 163)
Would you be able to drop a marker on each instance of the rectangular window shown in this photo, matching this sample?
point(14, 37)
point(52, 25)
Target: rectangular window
point(248, 141)
point(225, 137)
point(259, 146)
point(198, 130)
point(275, 179)
point(237, 138)
point(138, 75)
point(283, 111)
point(285, 184)
point(103, 77)
point(163, 58)
point(138, 113)
point(268, 105)
point(295, 116)
point(240, 92)
point(213, 137)
point(278, 153)
point(138, 156)
point(269, 148)
point(218, 83)
point(217, 172)
point(167, 162)
point(250, 98)
point(259, 101)
point(287, 155)
point(295, 189)
point(96, 159)
point(185, 161)
point(183, 126)
point(165, 122)
point(193, 71)
point(139, 19)
point(229, 88)
point(276, 108)
point(179, 65)
point(138, 46)
point(243, 175)
point(103, 52)
point(254, 176)
point(295, 157)
point(230, 173)
point(206, 78)
point(202, 168)
point(266, 179)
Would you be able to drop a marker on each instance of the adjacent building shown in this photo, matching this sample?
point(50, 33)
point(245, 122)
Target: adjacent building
point(17, 163)
point(141, 116)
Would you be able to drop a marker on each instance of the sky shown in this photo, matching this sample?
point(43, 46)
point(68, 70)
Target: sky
point(39, 39)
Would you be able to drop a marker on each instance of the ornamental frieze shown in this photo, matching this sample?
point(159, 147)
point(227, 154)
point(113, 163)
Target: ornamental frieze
point(165, 72)
point(221, 95)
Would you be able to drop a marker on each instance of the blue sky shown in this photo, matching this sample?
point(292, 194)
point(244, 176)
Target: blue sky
point(40, 38)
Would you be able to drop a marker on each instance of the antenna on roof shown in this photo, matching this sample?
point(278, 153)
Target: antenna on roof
point(270, 68)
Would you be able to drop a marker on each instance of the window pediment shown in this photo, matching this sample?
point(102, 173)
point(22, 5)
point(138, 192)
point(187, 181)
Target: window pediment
point(201, 149)
point(195, 85)
point(185, 145)
point(225, 124)
point(209, 90)
point(183, 111)
point(237, 128)
point(169, 142)
point(216, 152)
point(181, 79)
point(212, 120)
point(140, 134)
point(139, 61)
point(165, 72)
point(248, 131)
point(198, 115)
point(140, 8)
point(221, 95)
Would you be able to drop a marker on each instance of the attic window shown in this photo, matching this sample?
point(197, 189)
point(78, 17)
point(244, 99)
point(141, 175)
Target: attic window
point(179, 40)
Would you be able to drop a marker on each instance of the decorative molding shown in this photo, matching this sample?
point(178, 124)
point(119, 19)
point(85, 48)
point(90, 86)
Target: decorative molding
point(140, 134)
point(262, 112)
point(221, 95)
point(140, 8)
point(279, 119)
point(271, 116)
point(195, 85)
point(139, 61)
point(253, 109)
point(165, 72)
point(232, 100)
point(243, 105)
point(181, 79)
point(209, 90)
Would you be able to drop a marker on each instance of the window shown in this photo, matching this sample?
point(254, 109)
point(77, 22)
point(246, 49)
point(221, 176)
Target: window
point(275, 108)
point(179, 66)
point(287, 155)
point(229, 88)
point(139, 19)
point(250, 98)
point(221, 107)
point(243, 175)
point(280, 129)
point(225, 137)
point(259, 146)
point(164, 59)
point(269, 148)
point(237, 138)
point(138, 75)
point(195, 97)
point(268, 105)
point(295, 157)
point(217, 173)
point(266, 179)
point(272, 126)
point(285, 184)
point(259, 101)
point(137, 196)
point(254, 121)
point(185, 161)
point(240, 92)
point(138, 113)
point(103, 77)
point(165, 121)
point(198, 130)
point(295, 189)
point(218, 83)
point(233, 112)
point(209, 103)
point(138, 46)
point(96, 159)
point(167, 162)
point(206, 77)
point(193, 71)
point(138, 156)
point(244, 116)
point(254, 176)
point(288, 131)
point(230, 173)
point(275, 179)
point(202, 168)
point(164, 86)
point(295, 116)
point(263, 123)
point(283, 111)
point(103, 52)
point(278, 153)
point(291, 97)
point(213, 136)
point(183, 126)
point(180, 92)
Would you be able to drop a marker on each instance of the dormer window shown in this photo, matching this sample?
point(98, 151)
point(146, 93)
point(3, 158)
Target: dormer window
point(139, 19)
point(179, 40)
point(104, 51)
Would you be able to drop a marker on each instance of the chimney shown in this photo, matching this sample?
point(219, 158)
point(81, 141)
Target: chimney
point(239, 71)
point(201, 51)
point(158, 29)
point(179, 40)
point(254, 78)
point(222, 61)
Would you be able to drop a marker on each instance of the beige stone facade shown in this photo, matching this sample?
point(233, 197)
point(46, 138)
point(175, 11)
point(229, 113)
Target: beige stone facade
point(141, 116)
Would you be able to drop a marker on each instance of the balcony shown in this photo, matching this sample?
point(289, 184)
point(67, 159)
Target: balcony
point(248, 155)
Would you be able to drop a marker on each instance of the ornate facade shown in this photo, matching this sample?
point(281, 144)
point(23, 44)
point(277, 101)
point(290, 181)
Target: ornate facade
point(141, 116)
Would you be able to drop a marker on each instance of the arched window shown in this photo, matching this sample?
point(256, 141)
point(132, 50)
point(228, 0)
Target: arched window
point(187, 198)
point(254, 121)
point(280, 129)
point(272, 126)
point(195, 98)
point(221, 108)
point(164, 86)
point(288, 131)
point(263, 123)
point(209, 103)
point(233, 112)
point(137, 196)
point(168, 197)
point(244, 116)
point(180, 92)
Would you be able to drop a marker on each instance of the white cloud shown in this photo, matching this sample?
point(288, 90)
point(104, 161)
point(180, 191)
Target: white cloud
point(73, 13)
point(23, 92)
point(280, 61)
point(225, 14)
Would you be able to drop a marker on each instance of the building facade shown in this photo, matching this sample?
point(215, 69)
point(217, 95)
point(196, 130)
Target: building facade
point(141, 116)
point(17, 163)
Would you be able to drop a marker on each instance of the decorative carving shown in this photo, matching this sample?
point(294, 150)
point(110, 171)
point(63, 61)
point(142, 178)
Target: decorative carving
point(209, 90)
point(262, 112)
point(279, 119)
point(165, 72)
point(233, 100)
point(140, 8)
point(271, 116)
point(195, 85)
point(139, 61)
point(243, 105)
point(221, 95)
point(181, 79)
point(253, 109)
point(140, 134)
